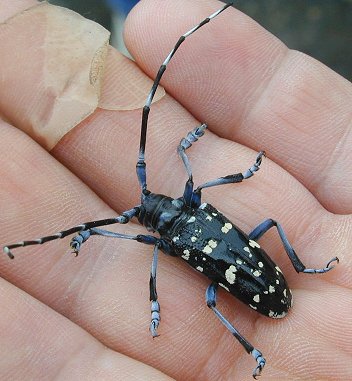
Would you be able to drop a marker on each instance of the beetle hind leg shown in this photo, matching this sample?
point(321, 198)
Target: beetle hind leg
point(262, 228)
point(210, 296)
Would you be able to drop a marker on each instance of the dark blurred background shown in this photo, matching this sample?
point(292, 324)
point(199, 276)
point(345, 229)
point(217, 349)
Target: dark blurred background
point(320, 28)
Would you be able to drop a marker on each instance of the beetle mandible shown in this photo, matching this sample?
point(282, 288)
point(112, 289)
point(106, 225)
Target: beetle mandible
point(199, 234)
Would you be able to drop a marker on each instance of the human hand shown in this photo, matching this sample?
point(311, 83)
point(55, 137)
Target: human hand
point(87, 318)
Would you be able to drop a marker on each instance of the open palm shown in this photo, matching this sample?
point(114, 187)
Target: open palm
point(87, 318)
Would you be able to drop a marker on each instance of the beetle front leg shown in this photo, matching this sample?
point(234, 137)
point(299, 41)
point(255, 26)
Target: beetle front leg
point(262, 228)
point(210, 296)
point(79, 239)
point(234, 178)
point(147, 239)
point(186, 143)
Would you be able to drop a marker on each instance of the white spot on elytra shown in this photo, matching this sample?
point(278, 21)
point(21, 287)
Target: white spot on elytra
point(199, 268)
point(277, 281)
point(239, 262)
point(257, 273)
point(209, 218)
point(224, 287)
point(214, 214)
point(276, 315)
point(256, 298)
point(266, 292)
point(260, 264)
point(203, 205)
point(212, 243)
point(271, 289)
point(247, 249)
point(194, 239)
point(186, 255)
point(278, 269)
point(207, 249)
point(285, 293)
point(253, 307)
point(192, 219)
point(176, 239)
point(210, 246)
point(225, 229)
point(230, 274)
point(253, 244)
point(279, 316)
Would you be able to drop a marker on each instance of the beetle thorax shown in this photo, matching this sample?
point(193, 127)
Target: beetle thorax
point(159, 213)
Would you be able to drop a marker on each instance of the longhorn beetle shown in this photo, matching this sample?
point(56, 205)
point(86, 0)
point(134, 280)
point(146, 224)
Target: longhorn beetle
point(199, 234)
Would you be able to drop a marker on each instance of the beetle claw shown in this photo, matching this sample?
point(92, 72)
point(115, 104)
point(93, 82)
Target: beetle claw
point(328, 267)
point(325, 269)
point(154, 328)
point(75, 246)
point(154, 324)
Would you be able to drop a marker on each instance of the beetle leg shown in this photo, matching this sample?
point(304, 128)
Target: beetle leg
point(296, 262)
point(210, 296)
point(234, 178)
point(186, 143)
point(123, 219)
point(79, 239)
point(147, 239)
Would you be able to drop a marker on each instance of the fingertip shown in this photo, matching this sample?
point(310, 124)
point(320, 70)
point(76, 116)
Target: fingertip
point(9, 8)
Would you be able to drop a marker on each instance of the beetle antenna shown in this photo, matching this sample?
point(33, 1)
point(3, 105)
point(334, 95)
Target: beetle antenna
point(141, 165)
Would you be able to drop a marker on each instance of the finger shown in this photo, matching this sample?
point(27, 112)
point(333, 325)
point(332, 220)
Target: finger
point(250, 88)
point(10, 8)
point(40, 344)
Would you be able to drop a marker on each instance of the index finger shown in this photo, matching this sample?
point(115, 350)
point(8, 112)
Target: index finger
point(249, 87)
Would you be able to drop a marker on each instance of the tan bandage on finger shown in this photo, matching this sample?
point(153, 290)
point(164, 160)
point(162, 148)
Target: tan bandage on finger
point(57, 68)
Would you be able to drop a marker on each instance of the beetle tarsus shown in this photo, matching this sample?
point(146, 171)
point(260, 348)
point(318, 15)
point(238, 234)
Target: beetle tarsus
point(76, 242)
point(260, 361)
point(75, 246)
point(154, 324)
point(325, 269)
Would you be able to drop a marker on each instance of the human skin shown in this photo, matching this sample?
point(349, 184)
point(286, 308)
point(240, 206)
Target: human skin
point(87, 318)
